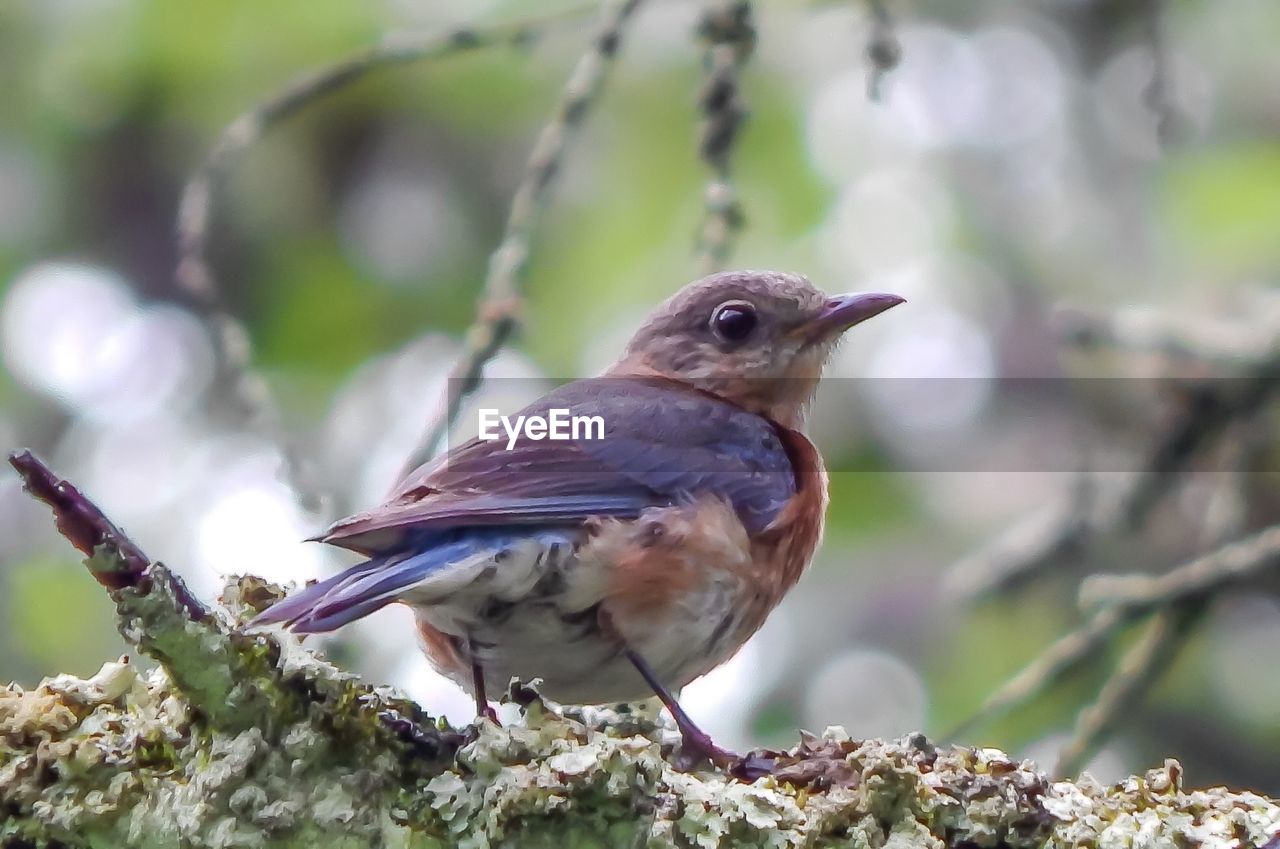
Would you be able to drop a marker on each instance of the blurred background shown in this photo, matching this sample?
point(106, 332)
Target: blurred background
point(1072, 195)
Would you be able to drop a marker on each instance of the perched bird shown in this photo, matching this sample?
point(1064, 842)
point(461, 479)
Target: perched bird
point(635, 562)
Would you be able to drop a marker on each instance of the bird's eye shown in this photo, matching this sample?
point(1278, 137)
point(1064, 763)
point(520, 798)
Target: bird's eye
point(734, 321)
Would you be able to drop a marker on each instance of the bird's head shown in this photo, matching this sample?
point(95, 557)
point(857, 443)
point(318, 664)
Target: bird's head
point(757, 338)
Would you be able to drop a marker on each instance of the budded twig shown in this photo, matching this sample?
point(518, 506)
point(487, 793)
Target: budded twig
point(498, 313)
point(195, 278)
point(728, 33)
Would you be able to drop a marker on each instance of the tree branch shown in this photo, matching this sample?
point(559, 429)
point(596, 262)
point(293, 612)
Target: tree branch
point(1137, 672)
point(1117, 601)
point(1097, 507)
point(194, 277)
point(247, 739)
point(1226, 566)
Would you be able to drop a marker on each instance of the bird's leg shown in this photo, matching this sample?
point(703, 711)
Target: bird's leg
point(483, 708)
point(696, 741)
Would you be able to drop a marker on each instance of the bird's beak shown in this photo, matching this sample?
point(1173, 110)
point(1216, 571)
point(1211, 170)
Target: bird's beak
point(841, 312)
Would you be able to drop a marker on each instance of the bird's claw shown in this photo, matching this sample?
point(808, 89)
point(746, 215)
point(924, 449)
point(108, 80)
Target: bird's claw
point(748, 767)
point(753, 765)
point(473, 731)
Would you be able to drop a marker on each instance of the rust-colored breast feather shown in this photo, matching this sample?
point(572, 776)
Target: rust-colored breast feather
point(666, 558)
point(671, 559)
point(788, 544)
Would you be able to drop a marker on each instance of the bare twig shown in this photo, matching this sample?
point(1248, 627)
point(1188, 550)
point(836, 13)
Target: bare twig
point(1227, 565)
point(498, 313)
point(195, 278)
point(884, 51)
point(1212, 407)
point(1159, 95)
point(1099, 507)
point(1139, 670)
point(1055, 662)
point(93, 534)
point(1118, 601)
point(1057, 533)
point(1181, 598)
point(727, 30)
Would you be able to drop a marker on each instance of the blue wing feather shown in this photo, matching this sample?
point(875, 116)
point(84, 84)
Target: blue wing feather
point(663, 444)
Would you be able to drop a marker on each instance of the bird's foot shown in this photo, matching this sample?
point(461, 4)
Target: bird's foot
point(753, 765)
point(483, 714)
point(698, 747)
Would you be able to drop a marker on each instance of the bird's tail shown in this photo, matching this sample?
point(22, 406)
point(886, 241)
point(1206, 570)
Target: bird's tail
point(432, 566)
point(313, 609)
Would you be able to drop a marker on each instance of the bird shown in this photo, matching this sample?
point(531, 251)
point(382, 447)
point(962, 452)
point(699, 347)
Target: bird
point(627, 562)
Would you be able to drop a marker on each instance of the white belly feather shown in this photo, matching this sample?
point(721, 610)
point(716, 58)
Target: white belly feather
point(533, 612)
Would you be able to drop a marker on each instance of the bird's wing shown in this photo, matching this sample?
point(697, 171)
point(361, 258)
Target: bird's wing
point(662, 443)
point(434, 567)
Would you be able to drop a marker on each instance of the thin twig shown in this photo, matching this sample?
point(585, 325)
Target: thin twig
point(1180, 598)
point(1139, 670)
point(1227, 565)
point(1095, 511)
point(498, 313)
point(1212, 406)
point(194, 277)
point(1049, 667)
point(1159, 95)
point(1056, 534)
point(727, 30)
point(884, 51)
point(90, 531)
point(1116, 602)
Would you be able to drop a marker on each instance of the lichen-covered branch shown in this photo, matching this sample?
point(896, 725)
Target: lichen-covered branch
point(122, 759)
point(242, 738)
